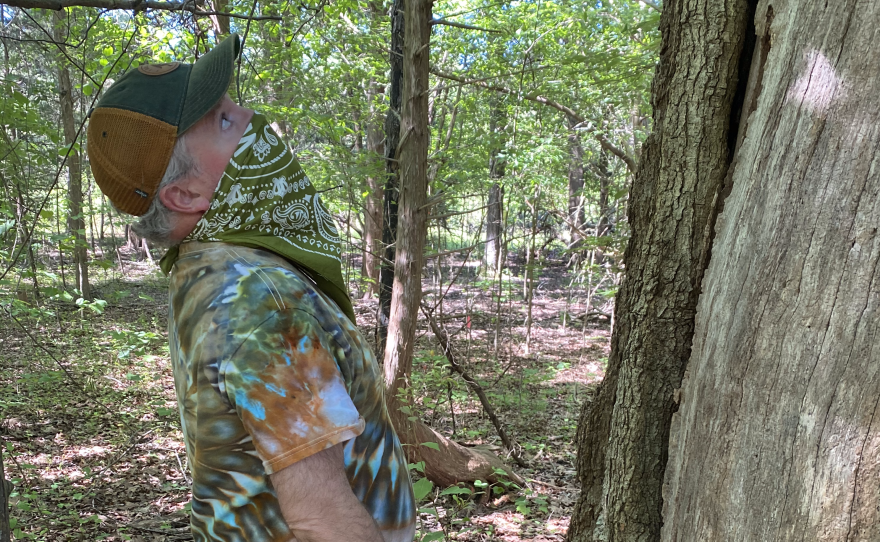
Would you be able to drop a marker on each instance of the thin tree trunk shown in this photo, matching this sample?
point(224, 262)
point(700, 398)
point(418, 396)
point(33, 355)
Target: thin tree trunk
point(220, 22)
point(451, 463)
point(604, 173)
point(777, 436)
point(390, 204)
point(623, 433)
point(373, 205)
point(493, 229)
point(575, 182)
point(528, 283)
point(413, 214)
point(497, 166)
point(75, 223)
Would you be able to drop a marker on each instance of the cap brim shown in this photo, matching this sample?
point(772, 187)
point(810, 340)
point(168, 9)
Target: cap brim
point(209, 80)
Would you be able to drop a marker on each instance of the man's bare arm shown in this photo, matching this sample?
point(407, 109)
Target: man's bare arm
point(317, 501)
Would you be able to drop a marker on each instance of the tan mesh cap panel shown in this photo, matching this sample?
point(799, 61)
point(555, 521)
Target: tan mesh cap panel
point(129, 153)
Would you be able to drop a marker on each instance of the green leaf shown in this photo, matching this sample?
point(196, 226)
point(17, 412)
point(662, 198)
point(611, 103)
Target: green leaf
point(422, 488)
point(6, 226)
point(432, 445)
point(436, 535)
point(455, 490)
point(165, 411)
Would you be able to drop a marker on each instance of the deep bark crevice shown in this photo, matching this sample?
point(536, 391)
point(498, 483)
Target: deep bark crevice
point(739, 111)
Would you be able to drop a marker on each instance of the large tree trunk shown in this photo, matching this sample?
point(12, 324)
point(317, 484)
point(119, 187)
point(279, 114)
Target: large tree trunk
point(75, 223)
point(452, 462)
point(623, 432)
point(778, 432)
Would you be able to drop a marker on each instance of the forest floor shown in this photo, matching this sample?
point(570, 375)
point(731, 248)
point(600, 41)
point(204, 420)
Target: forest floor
point(92, 441)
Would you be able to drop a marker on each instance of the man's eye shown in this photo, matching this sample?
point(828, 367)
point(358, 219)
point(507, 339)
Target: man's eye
point(224, 123)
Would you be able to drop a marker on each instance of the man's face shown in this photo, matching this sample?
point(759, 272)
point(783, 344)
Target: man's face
point(211, 142)
point(214, 138)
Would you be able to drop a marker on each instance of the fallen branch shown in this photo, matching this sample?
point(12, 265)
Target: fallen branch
point(443, 339)
point(135, 5)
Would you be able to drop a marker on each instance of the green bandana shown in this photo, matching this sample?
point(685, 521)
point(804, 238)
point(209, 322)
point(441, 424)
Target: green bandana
point(265, 200)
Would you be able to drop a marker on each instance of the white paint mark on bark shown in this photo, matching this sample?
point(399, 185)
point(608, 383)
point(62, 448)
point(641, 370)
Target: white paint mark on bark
point(817, 85)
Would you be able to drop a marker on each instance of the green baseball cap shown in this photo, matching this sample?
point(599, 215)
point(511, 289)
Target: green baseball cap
point(134, 126)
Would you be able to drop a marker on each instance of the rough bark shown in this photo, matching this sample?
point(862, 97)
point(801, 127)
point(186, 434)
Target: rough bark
point(391, 195)
point(778, 433)
point(75, 223)
point(623, 432)
point(412, 213)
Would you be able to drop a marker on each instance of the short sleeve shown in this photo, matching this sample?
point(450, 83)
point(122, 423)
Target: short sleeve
point(285, 384)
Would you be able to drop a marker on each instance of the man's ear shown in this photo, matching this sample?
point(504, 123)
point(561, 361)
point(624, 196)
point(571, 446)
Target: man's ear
point(180, 198)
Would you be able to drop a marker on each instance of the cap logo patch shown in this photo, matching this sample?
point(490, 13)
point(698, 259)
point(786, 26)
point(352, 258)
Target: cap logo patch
point(158, 69)
point(141, 193)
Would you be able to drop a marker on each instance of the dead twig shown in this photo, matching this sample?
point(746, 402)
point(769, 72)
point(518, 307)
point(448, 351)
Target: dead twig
point(443, 339)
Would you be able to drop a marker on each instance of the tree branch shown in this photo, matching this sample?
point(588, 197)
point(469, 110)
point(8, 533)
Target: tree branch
point(537, 98)
point(616, 151)
point(653, 5)
point(135, 5)
point(462, 25)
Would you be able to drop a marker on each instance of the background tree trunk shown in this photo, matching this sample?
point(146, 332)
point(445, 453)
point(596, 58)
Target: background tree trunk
point(623, 432)
point(576, 214)
point(497, 166)
point(75, 223)
point(220, 22)
point(494, 228)
point(373, 205)
point(778, 432)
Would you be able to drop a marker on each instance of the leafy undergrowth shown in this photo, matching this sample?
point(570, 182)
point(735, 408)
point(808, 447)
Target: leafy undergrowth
point(92, 439)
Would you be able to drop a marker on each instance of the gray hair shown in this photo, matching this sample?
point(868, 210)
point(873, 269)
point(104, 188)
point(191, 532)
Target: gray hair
point(157, 224)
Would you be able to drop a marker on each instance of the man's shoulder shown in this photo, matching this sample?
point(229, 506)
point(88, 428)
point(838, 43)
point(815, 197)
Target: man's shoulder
point(241, 278)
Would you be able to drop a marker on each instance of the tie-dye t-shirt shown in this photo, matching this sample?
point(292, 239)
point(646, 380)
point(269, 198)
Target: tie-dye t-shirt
point(268, 371)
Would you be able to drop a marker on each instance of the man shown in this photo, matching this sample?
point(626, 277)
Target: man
point(281, 399)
